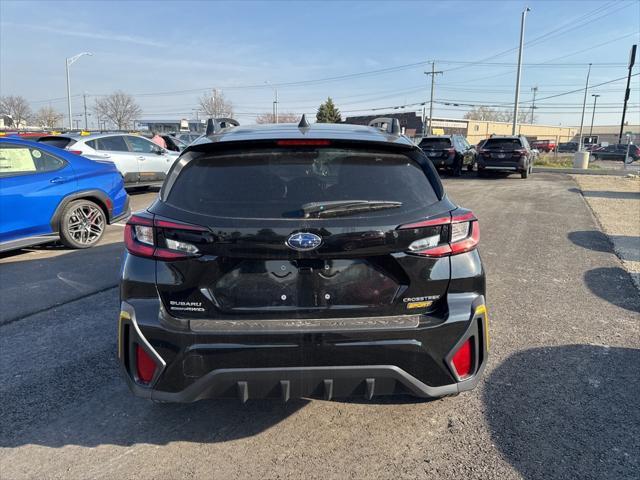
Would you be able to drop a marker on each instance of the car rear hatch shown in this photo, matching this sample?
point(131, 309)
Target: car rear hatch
point(437, 149)
point(502, 150)
point(356, 236)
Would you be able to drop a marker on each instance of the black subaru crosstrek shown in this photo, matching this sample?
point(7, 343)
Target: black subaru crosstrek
point(302, 261)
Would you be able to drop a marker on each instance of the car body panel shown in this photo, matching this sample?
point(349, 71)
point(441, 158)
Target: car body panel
point(355, 313)
point(32, 202)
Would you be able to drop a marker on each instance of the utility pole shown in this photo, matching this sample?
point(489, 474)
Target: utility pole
point(84, 99)
point(627, 92)
point(584, 104)
point(275, 106)
point(593, 114)
point(515, 107)
point(433, 73)
point(533, 103)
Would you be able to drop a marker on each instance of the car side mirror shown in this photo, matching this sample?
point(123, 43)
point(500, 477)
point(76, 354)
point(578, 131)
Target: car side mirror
point(158, 151)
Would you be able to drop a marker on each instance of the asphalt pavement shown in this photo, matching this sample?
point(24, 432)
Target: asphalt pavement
point(559, 398)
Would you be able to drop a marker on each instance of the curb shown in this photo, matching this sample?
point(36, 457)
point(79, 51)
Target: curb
point(579, 171)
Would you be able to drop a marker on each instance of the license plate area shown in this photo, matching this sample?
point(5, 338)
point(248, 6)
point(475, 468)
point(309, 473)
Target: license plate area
point(290, 285)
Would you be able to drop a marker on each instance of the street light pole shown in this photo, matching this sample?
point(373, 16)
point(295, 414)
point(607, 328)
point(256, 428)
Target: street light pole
point(593, 114)
point(584, 105)
point(68, 62)
point(515, 107)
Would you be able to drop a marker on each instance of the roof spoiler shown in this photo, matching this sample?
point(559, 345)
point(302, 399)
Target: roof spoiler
point(216, 125)
point(388, 124)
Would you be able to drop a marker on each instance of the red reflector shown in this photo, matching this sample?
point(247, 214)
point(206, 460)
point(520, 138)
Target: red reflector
point(145, 366)
point(76, 152)
point(462, 360)
point(296, 143)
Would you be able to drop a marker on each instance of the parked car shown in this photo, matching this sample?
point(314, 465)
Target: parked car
point(544, 145)
point(141, 162)
point(568, 147)
point(187, 137)
point(324, 261)
point(617, 151)
point(48, 194)
point(451, 152)
point(506, 153)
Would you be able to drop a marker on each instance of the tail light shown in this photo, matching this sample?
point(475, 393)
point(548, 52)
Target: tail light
point(161, 239)
point(519, 153)
point(459, 232)
point(145, 365)
point(463, 359)
point(75, 152)
point(484, 152)
point(303, 143)
point(451, 151)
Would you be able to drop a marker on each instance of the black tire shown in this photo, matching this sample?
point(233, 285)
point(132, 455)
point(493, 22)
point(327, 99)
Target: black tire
point(470, 167)
point(82, 224)
point(525, 173)
point(481, 172)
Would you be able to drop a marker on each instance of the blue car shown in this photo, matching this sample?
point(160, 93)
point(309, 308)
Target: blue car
point(48, 194)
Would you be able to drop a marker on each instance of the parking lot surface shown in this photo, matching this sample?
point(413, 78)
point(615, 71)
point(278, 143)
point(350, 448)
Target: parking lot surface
point(558, 400)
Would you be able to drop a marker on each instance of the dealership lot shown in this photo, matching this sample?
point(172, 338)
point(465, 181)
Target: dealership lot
point(559, 397)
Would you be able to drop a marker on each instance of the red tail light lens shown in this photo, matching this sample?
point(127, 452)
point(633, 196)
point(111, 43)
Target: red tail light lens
point(462, 234)
point(451, 150)
point(519, 153)
point(141, 239)
point(145, 365)
point(76, 152)
point(463, 360)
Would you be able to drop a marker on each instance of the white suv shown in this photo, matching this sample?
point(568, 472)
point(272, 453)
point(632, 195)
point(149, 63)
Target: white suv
point(141, 162)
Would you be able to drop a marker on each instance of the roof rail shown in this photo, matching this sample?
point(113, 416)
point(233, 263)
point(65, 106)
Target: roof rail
point(215, 125)
point(388, 124)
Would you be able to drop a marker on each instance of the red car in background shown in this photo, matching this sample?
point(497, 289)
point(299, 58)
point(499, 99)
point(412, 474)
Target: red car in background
point(544, 145)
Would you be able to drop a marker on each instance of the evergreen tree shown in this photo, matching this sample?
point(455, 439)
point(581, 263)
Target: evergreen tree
point(328, 113)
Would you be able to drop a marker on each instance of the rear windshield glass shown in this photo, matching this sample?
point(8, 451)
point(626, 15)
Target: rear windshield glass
point(502, 144)
point(435, 143)
point(270, 183)
point(60, 142)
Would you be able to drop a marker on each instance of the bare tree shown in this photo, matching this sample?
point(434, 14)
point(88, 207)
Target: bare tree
point(48, 117)
point(214, 105)
point(119, 107)
point(282, 118)
point(17, 108)
point(492, 115)
point(484, 113)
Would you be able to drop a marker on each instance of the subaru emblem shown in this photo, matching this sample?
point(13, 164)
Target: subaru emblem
point(304, 241)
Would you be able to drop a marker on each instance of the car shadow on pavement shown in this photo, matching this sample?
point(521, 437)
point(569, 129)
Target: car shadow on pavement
point(567, 412)
point(76, 405)
point(613, 284)
point(599, 242)
point(606, 194)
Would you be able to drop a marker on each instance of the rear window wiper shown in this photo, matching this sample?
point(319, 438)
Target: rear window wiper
point(345, 207)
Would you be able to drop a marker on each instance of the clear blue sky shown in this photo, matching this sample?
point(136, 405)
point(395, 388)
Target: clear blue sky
point(165, 46)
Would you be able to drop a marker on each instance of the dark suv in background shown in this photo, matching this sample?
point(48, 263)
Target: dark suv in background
point(450, 152)
point(302, 260)
point(506, 154)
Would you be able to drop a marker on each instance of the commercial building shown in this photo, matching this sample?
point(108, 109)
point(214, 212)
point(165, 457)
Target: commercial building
point(171, 125)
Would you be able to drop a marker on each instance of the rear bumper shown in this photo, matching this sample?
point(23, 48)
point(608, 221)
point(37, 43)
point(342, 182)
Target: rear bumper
point(192, 366)
point(505, 166)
